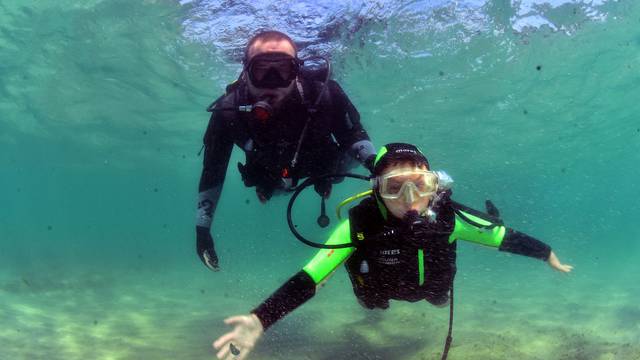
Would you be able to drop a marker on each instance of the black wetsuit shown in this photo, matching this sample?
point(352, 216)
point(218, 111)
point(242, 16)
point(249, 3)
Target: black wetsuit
point(334, 135)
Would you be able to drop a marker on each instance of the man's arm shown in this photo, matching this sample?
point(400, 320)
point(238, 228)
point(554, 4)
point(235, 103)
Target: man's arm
point(302, 286)
point(217, 151)
point(348, 129)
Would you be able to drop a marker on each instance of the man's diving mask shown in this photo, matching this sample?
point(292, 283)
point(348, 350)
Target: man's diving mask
point(272, 70)
point(407, 183)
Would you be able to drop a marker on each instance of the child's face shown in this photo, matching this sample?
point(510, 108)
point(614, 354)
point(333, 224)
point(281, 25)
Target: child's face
point(410, 198)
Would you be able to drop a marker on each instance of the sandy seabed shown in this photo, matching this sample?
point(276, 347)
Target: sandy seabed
point(176, 315)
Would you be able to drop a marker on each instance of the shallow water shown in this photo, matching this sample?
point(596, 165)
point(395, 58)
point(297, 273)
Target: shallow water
point(531, 103)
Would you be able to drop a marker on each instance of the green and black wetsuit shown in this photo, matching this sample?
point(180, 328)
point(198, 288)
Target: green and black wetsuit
point(391, 261)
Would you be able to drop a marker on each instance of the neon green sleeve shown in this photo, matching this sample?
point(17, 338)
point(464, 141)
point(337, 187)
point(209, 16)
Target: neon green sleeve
point(468, 232)
point(326, 261)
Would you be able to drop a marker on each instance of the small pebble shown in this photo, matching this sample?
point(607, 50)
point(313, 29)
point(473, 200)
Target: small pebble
point(234, 350)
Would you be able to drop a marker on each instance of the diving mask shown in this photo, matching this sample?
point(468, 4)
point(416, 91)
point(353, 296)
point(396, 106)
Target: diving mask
point(407, 183)
point(272, 70)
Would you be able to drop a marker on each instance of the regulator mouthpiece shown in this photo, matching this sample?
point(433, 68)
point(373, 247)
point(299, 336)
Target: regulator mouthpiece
point(262, 111)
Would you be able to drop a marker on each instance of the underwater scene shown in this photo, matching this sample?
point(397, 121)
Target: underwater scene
point(532, 104)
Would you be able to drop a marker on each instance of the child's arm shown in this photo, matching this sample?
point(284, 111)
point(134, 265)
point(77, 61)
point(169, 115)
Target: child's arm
point(482, 231)
point(238, 343)
point(554, 262)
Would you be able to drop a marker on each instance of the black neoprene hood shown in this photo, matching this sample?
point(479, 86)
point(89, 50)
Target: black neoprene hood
point(395, 152)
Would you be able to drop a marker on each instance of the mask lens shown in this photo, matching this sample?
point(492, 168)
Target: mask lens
point(394, 185)
point(272, 70)
point(259, 70)
point(428, 184)
point(283, 69)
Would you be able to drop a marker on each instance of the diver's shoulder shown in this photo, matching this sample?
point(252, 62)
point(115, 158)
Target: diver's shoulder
point(367, 208)
point(228, 100)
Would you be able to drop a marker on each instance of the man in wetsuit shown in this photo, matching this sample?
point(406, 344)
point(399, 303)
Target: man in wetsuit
point(402, 247)
point(289, 125)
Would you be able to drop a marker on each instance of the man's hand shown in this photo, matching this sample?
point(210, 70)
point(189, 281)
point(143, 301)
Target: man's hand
point(238, 343)
point(210, 259)
point(554, 262)
point(205, 249)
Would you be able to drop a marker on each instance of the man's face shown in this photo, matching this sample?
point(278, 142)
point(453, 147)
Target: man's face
point(403, 204)
point(275, 96)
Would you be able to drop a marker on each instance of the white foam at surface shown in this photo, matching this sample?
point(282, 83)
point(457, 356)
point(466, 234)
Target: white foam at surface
point(319, 25)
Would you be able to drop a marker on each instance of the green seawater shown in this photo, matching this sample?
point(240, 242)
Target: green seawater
point(101, 120)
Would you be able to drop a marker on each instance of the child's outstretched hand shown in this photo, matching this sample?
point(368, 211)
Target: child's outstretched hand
point(239, 342)
point(554, 262)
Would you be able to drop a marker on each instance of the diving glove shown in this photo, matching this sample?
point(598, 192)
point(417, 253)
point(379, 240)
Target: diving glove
point(364, 152)
point(205, 249)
